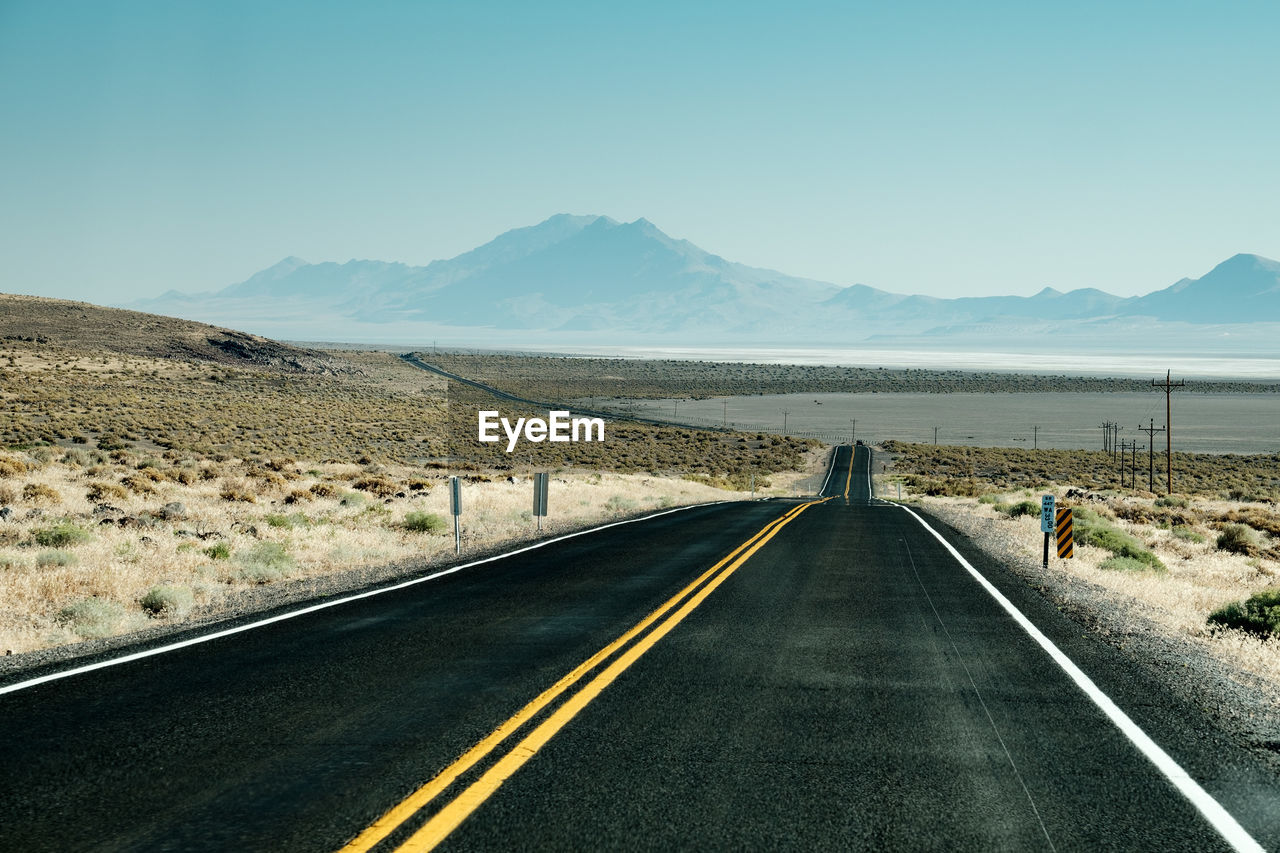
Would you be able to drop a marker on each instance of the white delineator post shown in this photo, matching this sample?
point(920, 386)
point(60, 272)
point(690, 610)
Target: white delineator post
point(540, 497)
point(455, 506)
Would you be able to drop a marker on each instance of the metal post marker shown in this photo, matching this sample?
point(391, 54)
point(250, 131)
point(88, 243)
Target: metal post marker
point(455, 505)
point(1047, 520)
point(539, 497)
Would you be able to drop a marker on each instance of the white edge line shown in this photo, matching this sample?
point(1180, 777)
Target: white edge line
point(1211, 809)
point(831, 469)
point(871, 461)
point(227, 632)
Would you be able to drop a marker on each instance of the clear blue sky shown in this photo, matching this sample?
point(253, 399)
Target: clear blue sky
point(941, 148)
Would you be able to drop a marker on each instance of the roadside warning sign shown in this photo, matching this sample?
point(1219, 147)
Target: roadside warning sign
point(1066, 543)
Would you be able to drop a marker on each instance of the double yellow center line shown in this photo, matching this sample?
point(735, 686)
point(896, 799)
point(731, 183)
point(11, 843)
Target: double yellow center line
point(848, 481)
point(662, 621)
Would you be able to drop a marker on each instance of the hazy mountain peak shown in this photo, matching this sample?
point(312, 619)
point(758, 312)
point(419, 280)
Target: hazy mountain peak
point(521, 242)
point(1244, 288)
point(1245, 263)
point(1244, 272)
point(284, 267)
point(602, 223)
point(269, 278)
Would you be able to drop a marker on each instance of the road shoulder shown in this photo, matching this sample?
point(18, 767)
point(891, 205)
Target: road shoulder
point(1160, 668)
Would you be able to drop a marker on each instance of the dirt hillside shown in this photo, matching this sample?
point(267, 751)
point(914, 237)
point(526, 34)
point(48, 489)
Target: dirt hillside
point(80, 326)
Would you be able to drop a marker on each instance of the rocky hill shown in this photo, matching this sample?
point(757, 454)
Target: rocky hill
point(83, 327)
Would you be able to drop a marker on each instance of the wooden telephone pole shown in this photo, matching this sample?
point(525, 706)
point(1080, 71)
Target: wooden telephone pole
point(1151, 431)
point(1128, 452)
point(1168, 385)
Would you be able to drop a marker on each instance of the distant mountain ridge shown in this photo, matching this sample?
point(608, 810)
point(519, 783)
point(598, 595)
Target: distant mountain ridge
point(585, 274)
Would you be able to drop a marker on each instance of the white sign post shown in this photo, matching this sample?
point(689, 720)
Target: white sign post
point(1047, 519)
point(540, 497)
point(455, 504)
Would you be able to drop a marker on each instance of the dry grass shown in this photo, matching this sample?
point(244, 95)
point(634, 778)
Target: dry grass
point(949, 469)
point(379, 407)
point(730, 457)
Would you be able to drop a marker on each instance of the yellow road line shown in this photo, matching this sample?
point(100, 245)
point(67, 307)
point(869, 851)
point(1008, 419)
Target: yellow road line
point(406, 808)
point(848, 481)
point(452, 815)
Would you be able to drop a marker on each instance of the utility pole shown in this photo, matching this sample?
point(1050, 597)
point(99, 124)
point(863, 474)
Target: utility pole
point(853, 429)
point(1115, 438)
point(1128, 452)
point(784, 421)
point(725, 422)
point(1105, 426)
point(1151, 431)
point(1168, 385)
point(1035, 437)
point(935, 435)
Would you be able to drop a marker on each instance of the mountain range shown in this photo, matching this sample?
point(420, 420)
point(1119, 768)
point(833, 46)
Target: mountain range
point(594, 278)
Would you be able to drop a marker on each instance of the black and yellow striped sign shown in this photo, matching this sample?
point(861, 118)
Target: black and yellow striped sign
point(1065, 539)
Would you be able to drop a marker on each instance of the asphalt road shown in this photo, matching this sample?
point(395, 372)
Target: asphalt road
point(842, 683)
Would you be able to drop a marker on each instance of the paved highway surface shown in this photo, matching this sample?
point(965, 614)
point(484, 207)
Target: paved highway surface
point(804, 674)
